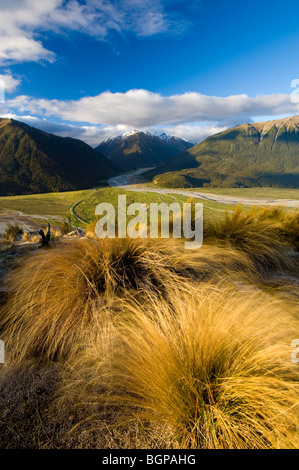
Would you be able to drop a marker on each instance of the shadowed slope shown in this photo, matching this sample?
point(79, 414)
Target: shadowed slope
point(32, 161)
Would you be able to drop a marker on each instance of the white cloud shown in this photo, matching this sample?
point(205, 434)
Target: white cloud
point(9, 82)
point(19, 20)
point(22, 49)
point(94, 135)
point(191, 116)
point(22, 22)
point(193, 134)
point(142, 108)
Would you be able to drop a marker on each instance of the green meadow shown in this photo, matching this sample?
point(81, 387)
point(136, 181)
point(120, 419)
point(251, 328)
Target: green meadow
point(83, 203)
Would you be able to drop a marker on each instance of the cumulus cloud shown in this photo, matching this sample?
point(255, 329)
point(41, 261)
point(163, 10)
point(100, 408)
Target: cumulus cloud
point(23, 21)
point(94, 135)
point(142, 108)
point(191, 116)
point(9, 82)
point(193, 133)
point(19, 20)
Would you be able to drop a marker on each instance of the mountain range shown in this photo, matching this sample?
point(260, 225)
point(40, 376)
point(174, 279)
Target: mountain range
point(135, 149)
point(255, 154)
point(33, 161)
point(258, 154)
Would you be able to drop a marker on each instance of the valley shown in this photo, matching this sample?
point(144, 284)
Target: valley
point(126, 292)
point(30, 211)
point(149, 229)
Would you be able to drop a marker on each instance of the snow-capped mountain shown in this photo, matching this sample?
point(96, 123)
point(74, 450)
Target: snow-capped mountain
point(135, 149)
point(180, 144)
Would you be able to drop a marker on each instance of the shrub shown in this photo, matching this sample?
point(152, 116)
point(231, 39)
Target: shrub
point(12, 232)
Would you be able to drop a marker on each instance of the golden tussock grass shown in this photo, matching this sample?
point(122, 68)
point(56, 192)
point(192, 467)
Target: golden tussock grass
point(31, 237)
point(286, 222)
point(55, 295)
point(12, 232)
point(262, 235)
point(56, 234)
point(213, 366)
point(193, 346)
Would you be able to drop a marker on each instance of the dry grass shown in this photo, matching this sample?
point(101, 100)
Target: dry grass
point(286, 223)
point(157, 346)
point(12, 232)
point(289, 228)
point(30, 237)
point(56, 295)
point(32, 417)
point(214, 366)
point(56, 234)
point(26, 236)
point(90, 230)
point(262, 235)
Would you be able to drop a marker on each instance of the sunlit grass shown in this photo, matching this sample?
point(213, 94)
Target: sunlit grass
point(192, 345)
point(213, 364)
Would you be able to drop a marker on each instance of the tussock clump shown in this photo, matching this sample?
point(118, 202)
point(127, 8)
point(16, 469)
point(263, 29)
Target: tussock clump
point(31, 237)
point(214, 366)
point(286, 222)
point(289, 229)
point(180, 341)
point(56, 234)
point(26, 236)
point(217, 262)
point(257, 235)
point(12, 232)
point(56, 296)
point(65, 228)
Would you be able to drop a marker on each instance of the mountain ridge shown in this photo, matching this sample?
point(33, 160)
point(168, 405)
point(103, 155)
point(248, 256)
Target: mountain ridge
point(137, 149)
point(255, 154)
point(34, 161)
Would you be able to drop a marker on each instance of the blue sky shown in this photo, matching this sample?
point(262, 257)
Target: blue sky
point(92, 69)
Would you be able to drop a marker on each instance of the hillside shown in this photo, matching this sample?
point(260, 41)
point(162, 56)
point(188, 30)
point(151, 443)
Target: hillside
point(258, 154)
point(32, 161)
point(141, 150)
